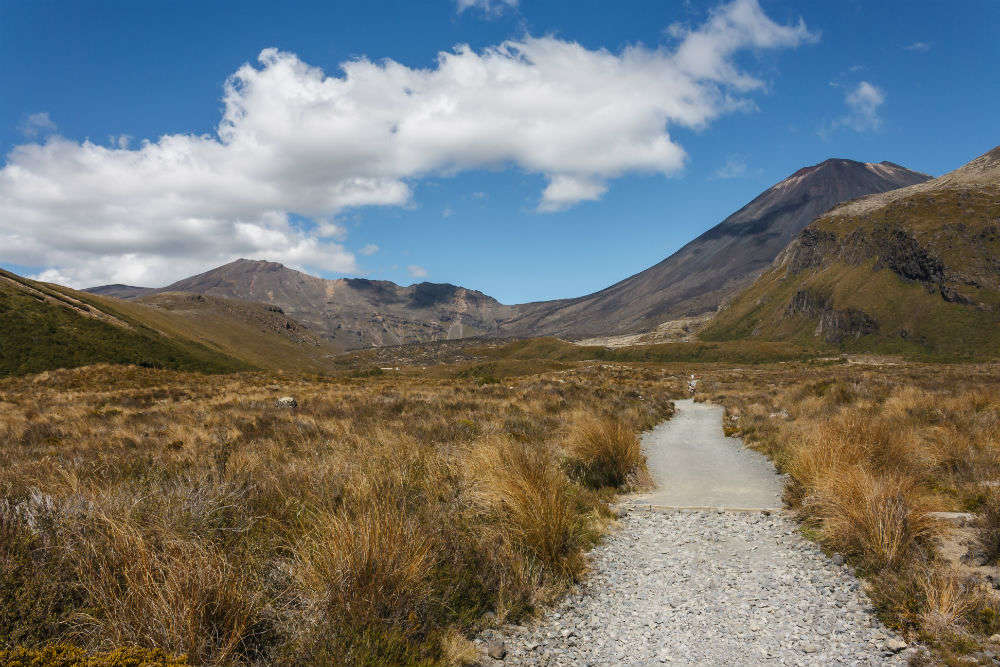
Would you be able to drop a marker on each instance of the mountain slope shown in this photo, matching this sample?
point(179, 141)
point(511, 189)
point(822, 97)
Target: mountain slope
point(45, 326)
point(355, 312)
point(717, 264)
point(358, 313)
point(119, 291)
point(260, 335)
point(913, 270)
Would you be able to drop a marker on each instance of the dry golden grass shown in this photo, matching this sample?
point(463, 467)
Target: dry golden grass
point(604, 451)
point(871, 450)
point(378, 523)
point(527, 502)
point(388, 517)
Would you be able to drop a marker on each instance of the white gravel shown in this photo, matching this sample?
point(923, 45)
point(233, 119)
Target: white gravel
point(705, 587)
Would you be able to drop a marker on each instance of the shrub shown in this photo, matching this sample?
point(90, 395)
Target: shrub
point(604, 451)
point(879, 519)
point(37, 596)
point(65, 655)
point(527, 500)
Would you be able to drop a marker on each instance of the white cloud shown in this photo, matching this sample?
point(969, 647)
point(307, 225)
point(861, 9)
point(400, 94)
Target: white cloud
point(863, 103)
point(330, 230)
point(294, 140)
point(447, 212)
point(38, 124)
point(564, 191)
point(417, 271)
point(488, 6)
point(922, 47)
point(735, 167)
point(369, 250)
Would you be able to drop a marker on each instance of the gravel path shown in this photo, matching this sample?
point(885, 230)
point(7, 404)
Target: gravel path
point(695, 464)
point(705, 587)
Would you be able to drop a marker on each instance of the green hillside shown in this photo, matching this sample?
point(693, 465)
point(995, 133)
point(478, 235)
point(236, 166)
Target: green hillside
point(44, 327)
point(916, 272)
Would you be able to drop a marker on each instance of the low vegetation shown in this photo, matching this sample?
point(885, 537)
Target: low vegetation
point(382, 521)
point(398, 510)
point(605, 452)
point(872, 450)
point(42, 328)
point(916, 277)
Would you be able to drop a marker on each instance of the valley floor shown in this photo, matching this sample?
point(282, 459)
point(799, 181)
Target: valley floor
point(709, 587)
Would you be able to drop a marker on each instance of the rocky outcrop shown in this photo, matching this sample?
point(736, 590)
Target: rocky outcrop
point(833, 325)
point(914, 269)
point(837, 325)
point(711, 269)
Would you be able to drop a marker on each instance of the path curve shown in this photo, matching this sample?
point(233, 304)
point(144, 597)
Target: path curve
point(705, 587)
point(695, 465)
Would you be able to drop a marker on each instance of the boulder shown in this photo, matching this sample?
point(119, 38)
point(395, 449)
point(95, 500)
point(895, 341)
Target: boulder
point(496, 649)
point(287, 402)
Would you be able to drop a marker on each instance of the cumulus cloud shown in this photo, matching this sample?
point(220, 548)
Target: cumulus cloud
point(563, 191)
point(417, 271)
point(488, 6)
point(922, 47)
point(369, 250)
point(735, 167)
point(38, 124)
point(295, 142)
point(863, 104)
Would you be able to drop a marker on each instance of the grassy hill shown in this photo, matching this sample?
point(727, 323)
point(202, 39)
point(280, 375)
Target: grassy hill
point(915, 271)
point(44, 326)
point(258, 334)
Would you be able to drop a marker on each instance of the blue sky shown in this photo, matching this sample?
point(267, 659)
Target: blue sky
point(629, 128)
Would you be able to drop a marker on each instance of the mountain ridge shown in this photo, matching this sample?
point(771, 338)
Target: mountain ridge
point(697, 279)
point(914, 270)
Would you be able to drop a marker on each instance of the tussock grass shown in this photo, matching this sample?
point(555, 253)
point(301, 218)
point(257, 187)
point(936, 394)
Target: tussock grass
point(528, 503)
point(604, 451)
point(379, 522)
point(988, 528)
point(870, 451)
point(877, 519)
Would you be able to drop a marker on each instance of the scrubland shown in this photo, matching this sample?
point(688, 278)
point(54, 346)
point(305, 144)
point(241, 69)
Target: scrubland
point(160, 517)
point(871, 451)
point(171, 517)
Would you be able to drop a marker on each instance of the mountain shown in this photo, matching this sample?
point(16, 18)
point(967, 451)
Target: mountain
point(120, 291)
point(45, 326)
point(718, 264)
point(355, 312)
point(260, 335)
point(915, 270)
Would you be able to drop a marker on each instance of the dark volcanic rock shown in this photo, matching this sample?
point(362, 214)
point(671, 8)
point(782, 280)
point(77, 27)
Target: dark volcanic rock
point(833, 325)
point(719, 263)
point(354, 312)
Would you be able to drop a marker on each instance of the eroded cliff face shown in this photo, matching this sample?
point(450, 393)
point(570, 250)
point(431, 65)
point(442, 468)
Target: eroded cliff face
point(717, 265)
point(920, 265)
